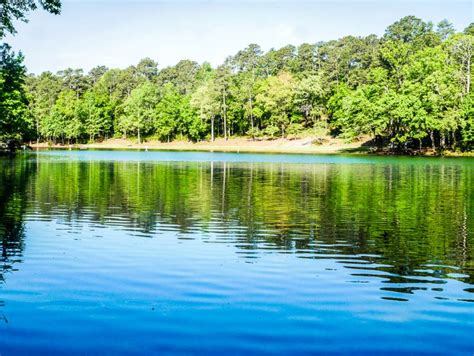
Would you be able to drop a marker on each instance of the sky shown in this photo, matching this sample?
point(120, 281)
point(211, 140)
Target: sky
point(118, 33)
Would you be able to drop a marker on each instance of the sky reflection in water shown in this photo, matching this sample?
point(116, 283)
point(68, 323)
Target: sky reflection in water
point(113, 251)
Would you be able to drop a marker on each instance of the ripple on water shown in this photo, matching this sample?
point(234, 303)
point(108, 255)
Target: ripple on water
point(333, 255)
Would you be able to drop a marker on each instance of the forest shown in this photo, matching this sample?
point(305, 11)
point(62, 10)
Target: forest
point(410, 87)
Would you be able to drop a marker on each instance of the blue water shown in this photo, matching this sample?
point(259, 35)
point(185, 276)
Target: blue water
point(125, 252)
point(193, 156)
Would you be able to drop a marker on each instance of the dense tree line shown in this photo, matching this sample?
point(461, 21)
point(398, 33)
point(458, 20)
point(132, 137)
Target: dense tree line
point(410, 87)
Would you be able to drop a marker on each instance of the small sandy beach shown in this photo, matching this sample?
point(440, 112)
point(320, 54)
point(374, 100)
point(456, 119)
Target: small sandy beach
point(303, 145)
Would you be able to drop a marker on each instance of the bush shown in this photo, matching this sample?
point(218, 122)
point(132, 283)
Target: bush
point(271, 131)
point(294, 131)
point(254, 133)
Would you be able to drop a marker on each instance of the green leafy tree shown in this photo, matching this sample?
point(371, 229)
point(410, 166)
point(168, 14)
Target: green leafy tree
point(147, 68)
point(43, 91)
point(412, 86)
point(223, 85)
point(248, 64)
point(11, 11)
point(276, 100)
point(206, 101)
point(15, 118)
point(444, 29)
point(184, 76)
point(139, 110)
point(309, 98)
point(63, 122)
point(96, 114)
point(168, 113)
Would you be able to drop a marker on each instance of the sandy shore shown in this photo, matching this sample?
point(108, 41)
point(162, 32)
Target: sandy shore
point(304, 145)
point(240, 144)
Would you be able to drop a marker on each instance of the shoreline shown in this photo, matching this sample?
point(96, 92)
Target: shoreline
point(244, 145)
point(234, 145)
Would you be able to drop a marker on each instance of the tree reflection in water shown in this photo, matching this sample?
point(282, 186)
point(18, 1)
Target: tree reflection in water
point(408, 219)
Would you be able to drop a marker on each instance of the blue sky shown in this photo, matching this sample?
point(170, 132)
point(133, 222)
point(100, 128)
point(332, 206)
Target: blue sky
point(117, 33)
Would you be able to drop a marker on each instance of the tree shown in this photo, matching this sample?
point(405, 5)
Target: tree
point(276, 100)
point(275, 61)
point(309, 98)
point(410, 87)
point(183, 76)
point(347, 59)
point(223, 75)
point(306, 60)
point(461, 48)
point(96, 73)
point(394, 55)
point(408, 29)
point(247, 62)
point(18, 9)
point(467, 133)
point(445, 29)
point(139, 110)
point(168, 113)
point(75, 80)
point(63, 122)
point(147, 68)
point(43, 91)
point(469, 30)
point(15, 118)
point(206, 101)
point(95, 111)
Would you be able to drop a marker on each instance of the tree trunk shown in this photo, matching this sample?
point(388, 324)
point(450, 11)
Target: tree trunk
point(139, 142)
point(468, 81)
point(225, 115)
point(433, 145)
point(37, 131)
point(212, 129)
point(442, 140)
point(251, 113)
point(468, 84)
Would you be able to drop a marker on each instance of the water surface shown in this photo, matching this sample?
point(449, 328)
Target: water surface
point(186, 252)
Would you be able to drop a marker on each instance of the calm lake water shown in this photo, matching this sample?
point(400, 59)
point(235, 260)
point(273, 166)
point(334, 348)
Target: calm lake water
point(178, 252)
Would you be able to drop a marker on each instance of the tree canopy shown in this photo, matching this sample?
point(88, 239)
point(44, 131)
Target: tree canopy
point(18, 10)
point(412, 87)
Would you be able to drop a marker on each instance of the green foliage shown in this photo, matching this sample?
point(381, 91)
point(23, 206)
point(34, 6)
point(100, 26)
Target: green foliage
point(95, 111)
point(271, 131)
point(276, 100)
point(206, 101)
point(309, 99)
point(139, 110)
point(15, 118)
point(63, 122)
point(411, 87)
point(175, 116)
point(11, 11)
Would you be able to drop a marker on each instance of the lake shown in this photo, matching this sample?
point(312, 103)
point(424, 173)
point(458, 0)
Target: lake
point(186, 252)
